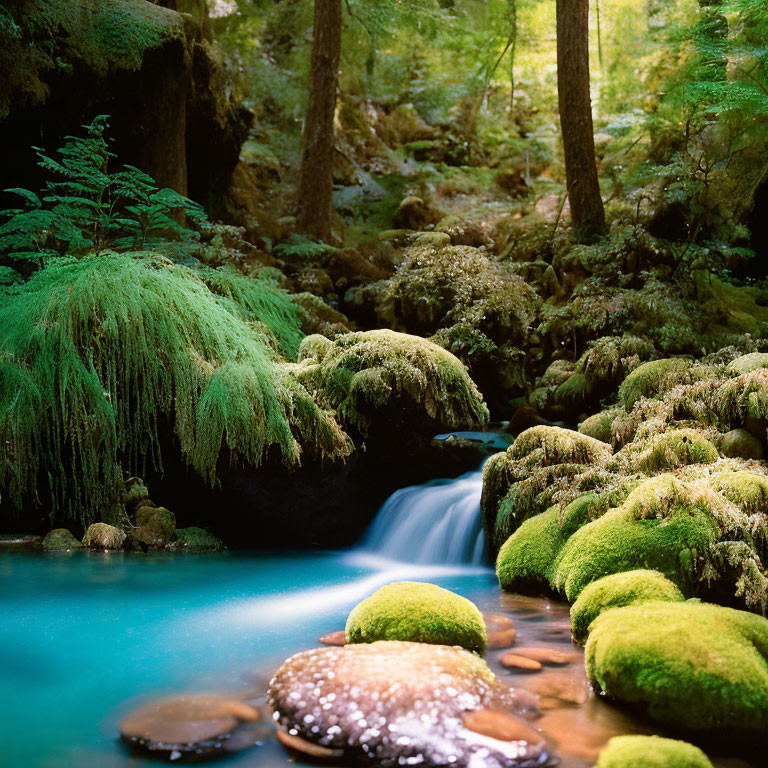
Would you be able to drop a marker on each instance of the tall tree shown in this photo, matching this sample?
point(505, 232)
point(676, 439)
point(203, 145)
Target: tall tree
point(587, 214)
point(316, 179)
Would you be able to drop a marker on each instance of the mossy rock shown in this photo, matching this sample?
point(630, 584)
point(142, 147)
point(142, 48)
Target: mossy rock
point(60, 539)
point(135, 492)
point(747, 490)
point(559, 446)
point(157, 528)
point(651, 752)
point(676, 448)
point(747, 363)
point(617, 590)
point(740, 444)
point(417, 612)
point(690, 665)
point(599, 425)
point(373, 378)
point(663, 525)
point(573, 391)
point(194, 539)
point(649, 379)
point(103, 536)
point(528, 556)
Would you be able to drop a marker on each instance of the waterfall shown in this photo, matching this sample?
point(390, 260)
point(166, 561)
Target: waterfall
point(435, 523)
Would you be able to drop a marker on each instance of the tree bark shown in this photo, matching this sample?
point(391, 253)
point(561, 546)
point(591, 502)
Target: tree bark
point(316, 176)
point(587, 214)
point(512, 16)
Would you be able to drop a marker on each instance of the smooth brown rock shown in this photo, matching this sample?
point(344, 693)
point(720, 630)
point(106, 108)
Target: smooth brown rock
point(501, 725)
point(513, 661)
point(568, 688)
point(547, 655)
point(298, 744)
point(334, 638)
point(182, 720)
point(501, 632)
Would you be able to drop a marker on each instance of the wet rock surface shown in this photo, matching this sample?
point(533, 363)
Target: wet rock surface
point(400, 703)
point(193, 724)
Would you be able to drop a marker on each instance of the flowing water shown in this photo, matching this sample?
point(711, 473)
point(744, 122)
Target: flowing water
point(86, 637)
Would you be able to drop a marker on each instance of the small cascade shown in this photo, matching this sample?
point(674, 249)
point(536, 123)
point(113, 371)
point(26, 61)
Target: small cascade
point(437, 523)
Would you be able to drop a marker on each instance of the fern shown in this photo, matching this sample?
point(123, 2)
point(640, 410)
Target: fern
point(85, 208)
point(99, 355)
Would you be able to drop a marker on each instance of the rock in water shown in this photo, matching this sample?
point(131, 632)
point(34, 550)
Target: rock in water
point(60, 539)
point(393, 702)
point(199, 724)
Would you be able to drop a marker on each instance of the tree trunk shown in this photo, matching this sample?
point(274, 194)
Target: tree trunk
point(316, 179)
point(512, 16)
point(587, 214)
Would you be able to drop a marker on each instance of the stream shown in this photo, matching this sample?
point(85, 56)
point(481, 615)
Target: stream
point(86, 637)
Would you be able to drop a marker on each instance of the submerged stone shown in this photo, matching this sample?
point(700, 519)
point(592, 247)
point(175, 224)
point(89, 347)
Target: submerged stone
point(500, 630)
point(400, 703)
point(200, 724)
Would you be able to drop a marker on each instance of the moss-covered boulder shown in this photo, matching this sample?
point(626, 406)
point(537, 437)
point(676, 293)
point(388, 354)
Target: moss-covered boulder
point(664, 525)
point(417, 612)
point(599, 425)
point(651, 752)
point(617, 590)
point(650, 378)
point(741, 444)
point(373, 379)
point(525, 480)
point(747, 490)
point(60, 539)
point(690, 664)
point(675, 448)
point(528, 557)
point(156, 528)
point(103, 536)
point(135, 493)
point(747, 363)
point(195, 539)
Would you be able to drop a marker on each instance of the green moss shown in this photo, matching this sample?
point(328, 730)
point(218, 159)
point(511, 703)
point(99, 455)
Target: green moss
point(747, 490)
point(619, 589)
point(375, 377)
point(651, 752)
point(748, 363)
point(527, 558)
point(689, 664)
point(740, 444)
point(60, 539)
point(554, 445)
point(742, 398)
point(96, 354)
point(599, 425)
point(676, 448)
point(194, 539)
point(417, 612)
point(664, 525)
point(574, 390)
point(103, 536)
point(650, 379)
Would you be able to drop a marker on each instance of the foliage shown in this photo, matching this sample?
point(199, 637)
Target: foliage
point(99, 355)
point(84, 208)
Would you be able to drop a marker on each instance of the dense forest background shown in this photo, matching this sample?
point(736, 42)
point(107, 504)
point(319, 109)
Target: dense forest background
point(552, 193)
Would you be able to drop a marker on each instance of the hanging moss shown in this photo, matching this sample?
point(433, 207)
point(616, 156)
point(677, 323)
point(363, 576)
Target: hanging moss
point(371, 378)
point(98, 355)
